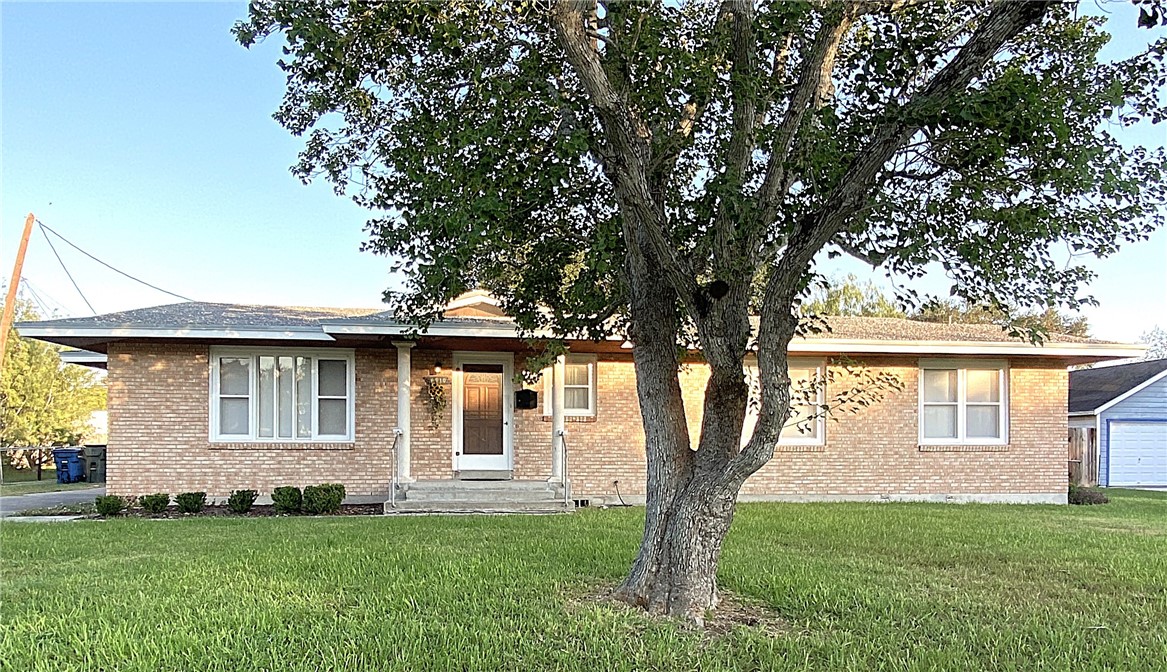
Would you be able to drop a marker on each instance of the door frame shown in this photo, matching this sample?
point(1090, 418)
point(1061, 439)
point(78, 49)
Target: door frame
point(507, 361)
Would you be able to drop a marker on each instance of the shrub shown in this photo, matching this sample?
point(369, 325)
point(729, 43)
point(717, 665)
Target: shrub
point(155, 503)
point(240, 501)
point(286, 499)
point(1086, 496)
point(110, 505)
point(191, 502)
point(321, 499)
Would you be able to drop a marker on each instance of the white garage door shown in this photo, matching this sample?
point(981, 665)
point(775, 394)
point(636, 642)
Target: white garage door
point(1138, 453)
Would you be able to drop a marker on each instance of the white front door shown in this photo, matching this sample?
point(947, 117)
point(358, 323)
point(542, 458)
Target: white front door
point(1138, 453)
point(483, 411)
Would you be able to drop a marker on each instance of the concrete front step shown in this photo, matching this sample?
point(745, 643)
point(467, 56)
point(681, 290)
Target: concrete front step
point(493, 496)
point(453, 507)
point(485, 474)
point(485, 496)
point(453, 483)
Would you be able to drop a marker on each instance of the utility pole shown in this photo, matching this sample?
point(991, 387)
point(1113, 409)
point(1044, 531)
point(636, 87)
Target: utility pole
point(13, 285)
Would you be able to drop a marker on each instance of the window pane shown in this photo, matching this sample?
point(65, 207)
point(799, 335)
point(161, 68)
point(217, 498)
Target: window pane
point(983, 422)
point(939, 385)
point(233, 417)
point(333, 378)
point(575, 398)
point(575, 374)
point(983, 385)
point(266, 399)
point(284, 380)
point(333, 416)
point(940, 422)
point(802, 376)
point(304, 397)
point(233, 375)
point(799, 425)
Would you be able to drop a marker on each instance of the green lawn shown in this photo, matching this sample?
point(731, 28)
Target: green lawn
point(49, 484)
point(879, 586)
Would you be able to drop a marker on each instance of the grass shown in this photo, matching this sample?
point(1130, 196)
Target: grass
point(14, 475)
point(76, 509)
point(862, 586)
point(24, 482)
point(29, 487)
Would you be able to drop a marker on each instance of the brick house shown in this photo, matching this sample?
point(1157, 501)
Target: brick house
point(215, 397)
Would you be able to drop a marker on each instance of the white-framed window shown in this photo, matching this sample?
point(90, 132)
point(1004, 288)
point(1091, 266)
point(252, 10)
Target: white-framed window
point(281, 395)
point(964, 402)
point(806, 425)
point(579, 386)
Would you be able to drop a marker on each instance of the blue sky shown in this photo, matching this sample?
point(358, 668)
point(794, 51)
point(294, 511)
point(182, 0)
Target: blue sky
point(143, 133)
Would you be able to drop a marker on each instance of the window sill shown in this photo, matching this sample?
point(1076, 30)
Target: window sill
point(969, 448)
point(573, 418)
point(287, 445)
point(800, 448)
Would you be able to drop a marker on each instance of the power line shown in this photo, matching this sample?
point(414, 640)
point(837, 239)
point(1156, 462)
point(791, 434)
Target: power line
point(50, 302)
point(36, 298)
point(116, 270)
point(65, 268)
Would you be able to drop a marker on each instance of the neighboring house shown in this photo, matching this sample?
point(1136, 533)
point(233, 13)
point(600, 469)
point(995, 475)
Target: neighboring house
point(1119, 414)
point(215, 397)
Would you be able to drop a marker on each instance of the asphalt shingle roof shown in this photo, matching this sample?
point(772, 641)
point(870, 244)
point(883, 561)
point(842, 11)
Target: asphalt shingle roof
point(211, 315)
point(226, 315)
point(898, 329)
point(1092, 388)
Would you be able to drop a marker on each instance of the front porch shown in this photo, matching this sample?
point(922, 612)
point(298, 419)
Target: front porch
point(464, 443)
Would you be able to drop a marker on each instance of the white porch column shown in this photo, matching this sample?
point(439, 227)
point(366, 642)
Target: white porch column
point(557, 425)
point(404, 397)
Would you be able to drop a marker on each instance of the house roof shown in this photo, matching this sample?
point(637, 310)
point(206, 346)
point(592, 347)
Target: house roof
point(473, 317)
point(898, 329)
point(192, 314)
point(1092, 390)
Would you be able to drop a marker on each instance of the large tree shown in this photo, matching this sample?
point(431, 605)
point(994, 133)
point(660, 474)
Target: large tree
point(43, 402)
point(651, 162)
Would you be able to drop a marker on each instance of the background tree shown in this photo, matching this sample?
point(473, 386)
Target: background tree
point(653, 161)
point(1041, 321)
point(43, 402)
point(850, 296)
point(1156, 339)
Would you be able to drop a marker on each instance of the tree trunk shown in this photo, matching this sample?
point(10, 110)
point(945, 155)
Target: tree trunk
point(683, 555)
point(669, 458)
point(689, 504)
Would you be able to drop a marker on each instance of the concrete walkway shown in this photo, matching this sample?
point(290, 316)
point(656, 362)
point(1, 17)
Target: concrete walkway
point(16, 503)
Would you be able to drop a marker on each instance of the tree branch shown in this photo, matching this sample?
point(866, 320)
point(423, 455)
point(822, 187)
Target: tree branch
point(813, 79)
point(627, 150)
point(1005, 20)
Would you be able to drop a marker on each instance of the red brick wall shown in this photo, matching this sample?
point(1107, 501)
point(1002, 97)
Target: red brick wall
point(158, 401)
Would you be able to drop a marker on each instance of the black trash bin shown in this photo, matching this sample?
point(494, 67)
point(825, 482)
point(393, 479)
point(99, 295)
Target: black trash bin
point(94, 456)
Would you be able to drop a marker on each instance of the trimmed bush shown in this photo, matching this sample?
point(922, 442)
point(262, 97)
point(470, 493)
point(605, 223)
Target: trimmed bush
point(240, 501)
point(156, 503)
point(287, 499)
point(323, 499)
point(191, 502)
point(1087, 496)
point(110, 505)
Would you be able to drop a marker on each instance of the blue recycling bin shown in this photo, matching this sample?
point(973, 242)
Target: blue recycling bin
point(70, 466)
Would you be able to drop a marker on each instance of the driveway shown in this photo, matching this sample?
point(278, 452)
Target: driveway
point(40, 500)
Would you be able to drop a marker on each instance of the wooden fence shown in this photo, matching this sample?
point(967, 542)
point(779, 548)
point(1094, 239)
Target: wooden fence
point(1083, 456)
